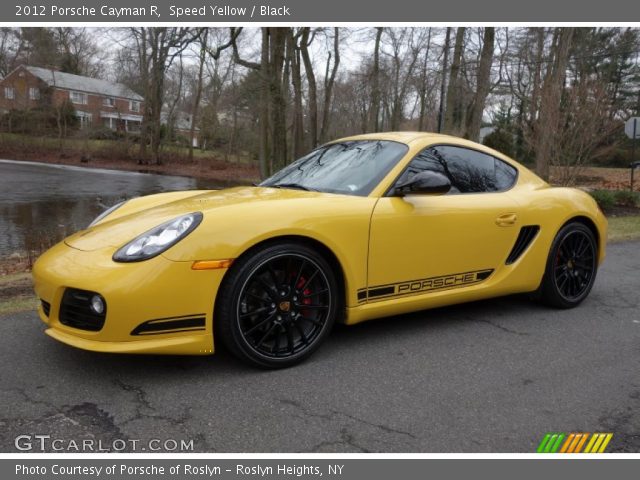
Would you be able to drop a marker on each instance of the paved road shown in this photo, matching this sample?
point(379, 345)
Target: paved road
point(485, 377)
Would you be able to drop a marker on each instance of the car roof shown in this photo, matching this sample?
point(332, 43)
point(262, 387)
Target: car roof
point(406, 137)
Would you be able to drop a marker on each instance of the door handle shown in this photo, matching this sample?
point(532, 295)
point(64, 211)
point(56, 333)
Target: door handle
point(506, 220)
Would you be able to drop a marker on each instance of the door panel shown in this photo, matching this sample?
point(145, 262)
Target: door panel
point(422, 243)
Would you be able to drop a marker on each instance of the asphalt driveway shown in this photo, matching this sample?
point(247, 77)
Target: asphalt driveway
point(492, 376)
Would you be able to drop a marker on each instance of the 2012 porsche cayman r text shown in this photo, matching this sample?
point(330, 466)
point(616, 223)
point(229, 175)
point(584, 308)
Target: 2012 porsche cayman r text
point(363, 227)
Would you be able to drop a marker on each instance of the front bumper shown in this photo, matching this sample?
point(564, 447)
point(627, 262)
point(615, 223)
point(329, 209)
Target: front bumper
point(157, 292)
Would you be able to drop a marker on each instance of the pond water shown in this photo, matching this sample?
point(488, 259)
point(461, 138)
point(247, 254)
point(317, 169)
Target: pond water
point(41, 204)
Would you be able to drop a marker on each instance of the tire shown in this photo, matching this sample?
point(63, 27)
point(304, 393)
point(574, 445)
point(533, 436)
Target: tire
point(277, 305)
point(571, 267)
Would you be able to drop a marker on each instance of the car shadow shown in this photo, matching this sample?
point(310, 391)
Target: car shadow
point(343, 338)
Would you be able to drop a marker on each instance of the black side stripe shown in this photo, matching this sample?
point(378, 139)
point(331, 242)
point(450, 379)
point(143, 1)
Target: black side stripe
point(424, 285)
point(188, 323)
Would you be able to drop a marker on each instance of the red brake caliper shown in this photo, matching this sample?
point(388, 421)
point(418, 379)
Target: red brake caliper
point(306, 291)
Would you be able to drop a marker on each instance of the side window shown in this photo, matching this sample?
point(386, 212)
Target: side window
point(468, 170)
point(505, 175)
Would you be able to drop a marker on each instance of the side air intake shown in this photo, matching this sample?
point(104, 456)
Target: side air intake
point(525, 237)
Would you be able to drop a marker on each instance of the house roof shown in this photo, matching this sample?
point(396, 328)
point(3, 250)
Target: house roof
point(69, 81)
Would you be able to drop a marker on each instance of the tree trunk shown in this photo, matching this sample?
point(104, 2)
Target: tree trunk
point(278, 104)
point(374, 112)
point(313, 89)
point(196, 100)
point(296, 79)
point(535, 96)
point(328, 85)
point(547, 125)
point(474, 119)
point(452, 122)
point(422, 93)
point(264, 106)
point(443, 85)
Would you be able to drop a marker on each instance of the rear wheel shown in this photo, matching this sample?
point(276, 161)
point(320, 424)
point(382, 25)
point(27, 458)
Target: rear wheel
point(571, 267)
point(277, 305)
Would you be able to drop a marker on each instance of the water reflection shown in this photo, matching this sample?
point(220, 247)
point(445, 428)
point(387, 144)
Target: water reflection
point(39, 201)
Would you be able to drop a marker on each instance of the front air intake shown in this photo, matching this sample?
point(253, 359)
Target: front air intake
point(46, 307)
point(525, 237)
point(76, 311)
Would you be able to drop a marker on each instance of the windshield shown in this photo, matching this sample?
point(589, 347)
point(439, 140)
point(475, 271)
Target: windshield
point(352, 167)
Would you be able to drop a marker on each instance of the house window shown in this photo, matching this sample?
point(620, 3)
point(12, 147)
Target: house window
point(109, 102)
point(9, 93)
point(134, 106)
point(133, 126)
point(34, 93)
point(84, 118)
point(78, 97)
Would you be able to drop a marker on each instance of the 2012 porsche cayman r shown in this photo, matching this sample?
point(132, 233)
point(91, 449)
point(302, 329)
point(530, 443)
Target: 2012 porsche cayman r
point(363, 227)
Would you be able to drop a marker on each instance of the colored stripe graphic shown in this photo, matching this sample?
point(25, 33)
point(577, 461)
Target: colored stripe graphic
point(598, 443)
point(550, 443)
point(574, 442)
point(543, 443)
point(581, 443)
point(571, 442)
point(605, 442)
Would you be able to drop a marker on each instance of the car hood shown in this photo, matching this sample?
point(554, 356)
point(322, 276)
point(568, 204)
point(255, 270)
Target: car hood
point(144, 213)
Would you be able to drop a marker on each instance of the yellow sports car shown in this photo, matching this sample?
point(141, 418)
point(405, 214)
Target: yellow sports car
point(360, 228)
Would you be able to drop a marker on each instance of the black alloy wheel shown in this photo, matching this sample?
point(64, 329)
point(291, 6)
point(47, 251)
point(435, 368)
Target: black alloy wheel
point(571, 267)
point(277, 305)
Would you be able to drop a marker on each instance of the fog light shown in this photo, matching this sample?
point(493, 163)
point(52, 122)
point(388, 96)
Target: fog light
point(97, 304)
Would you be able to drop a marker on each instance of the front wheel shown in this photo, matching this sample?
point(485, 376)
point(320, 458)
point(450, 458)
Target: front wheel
point(571, 267)
point(277, 305)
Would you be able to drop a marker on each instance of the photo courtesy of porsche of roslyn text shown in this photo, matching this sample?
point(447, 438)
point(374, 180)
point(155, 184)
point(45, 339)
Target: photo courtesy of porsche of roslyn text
point(351, 239)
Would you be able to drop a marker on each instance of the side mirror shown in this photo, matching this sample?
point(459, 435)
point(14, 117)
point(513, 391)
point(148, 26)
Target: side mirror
point(426, 183)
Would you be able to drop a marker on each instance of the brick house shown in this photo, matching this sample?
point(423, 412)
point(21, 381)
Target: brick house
point(96, 102)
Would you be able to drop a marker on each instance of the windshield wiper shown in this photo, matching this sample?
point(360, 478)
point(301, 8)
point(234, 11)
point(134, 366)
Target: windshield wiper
point(294, 185)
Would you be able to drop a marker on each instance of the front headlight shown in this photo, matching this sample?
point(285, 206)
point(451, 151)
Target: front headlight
point(158, 239)
point(106, 212)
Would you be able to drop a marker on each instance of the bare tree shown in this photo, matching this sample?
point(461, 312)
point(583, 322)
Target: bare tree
point(329, 82)
point(443, 85)
point(298, 136)
point(453, 111)
point(587, 129)
point(423, 88)
point(305, 42)
point(546, 131)
point(273, 154)
point(10, 49)
point(374, 113)
point(474, 117)
point(202, 44)
point(156, 48)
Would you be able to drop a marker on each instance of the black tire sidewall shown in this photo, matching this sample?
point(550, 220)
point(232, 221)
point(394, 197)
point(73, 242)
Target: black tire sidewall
point(549, 292)
point(227, 326)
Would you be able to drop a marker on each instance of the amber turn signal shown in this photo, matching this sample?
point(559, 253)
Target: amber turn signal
point(211, 264)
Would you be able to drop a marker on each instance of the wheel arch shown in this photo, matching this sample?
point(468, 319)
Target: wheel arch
point(591, 225)
point(321, 248)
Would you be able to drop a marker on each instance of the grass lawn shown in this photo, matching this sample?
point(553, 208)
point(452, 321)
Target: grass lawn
point(16, 293)
point(18, 304)
point(624, 228)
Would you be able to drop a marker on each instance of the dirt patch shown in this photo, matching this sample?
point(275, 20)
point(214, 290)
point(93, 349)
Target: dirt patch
point(620, 211)
point(601, 178)
point(14, 264)
point(12, 286)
